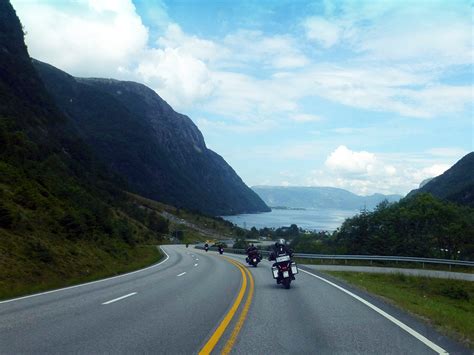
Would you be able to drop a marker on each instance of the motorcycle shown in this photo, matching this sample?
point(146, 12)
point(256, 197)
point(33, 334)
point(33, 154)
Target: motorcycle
point(284, 270)
point(221, 250)
point(254, 258)
point(206, 247)
point(187, 245)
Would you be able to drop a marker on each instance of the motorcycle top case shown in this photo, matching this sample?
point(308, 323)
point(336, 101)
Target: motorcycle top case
point(283, 258)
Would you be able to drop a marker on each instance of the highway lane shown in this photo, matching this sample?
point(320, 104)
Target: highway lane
point(179, 306)
point(168, 313)
point(316, 317)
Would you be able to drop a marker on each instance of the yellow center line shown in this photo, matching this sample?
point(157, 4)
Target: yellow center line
point(243, 316)
point(214, 339)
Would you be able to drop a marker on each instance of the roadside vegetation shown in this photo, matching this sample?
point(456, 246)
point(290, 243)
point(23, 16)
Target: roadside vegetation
point(186, 226)
point(446, 304)
point(46, 267)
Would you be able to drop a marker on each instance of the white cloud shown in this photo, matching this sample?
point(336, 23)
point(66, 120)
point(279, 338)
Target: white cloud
point(435, 33)
point(90, 38)
point(380, 88)
point(367, 173)
point(207, 125)
point(390, 170)
point(108, 38)
point(242, 96)
point(420, 35)
point(202, 49)
point(450, 152)
point(430, 171)
point(251, 47)
point(322, 31)
point(179, 77)
point(304, 117)
point(348, 161)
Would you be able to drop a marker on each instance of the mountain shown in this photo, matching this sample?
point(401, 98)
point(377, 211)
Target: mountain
point(456, 184)
point(63, 215)
point(319, 197)
point(160, 152)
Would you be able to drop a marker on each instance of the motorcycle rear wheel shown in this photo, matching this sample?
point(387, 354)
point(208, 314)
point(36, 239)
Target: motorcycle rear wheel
point(286, 283)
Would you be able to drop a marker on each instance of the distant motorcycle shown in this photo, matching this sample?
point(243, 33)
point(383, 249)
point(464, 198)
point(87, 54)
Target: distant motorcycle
point(284, 270)
point(206, 247)
point(187, 245)
point(221, 250)
point(253, 258)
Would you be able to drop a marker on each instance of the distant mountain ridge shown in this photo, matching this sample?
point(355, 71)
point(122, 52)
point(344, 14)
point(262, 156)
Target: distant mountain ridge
point(456, 184)
point(319, 197)
point(160, 152)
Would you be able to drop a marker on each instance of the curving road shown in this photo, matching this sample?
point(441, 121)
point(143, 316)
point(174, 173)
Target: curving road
point(201, 302)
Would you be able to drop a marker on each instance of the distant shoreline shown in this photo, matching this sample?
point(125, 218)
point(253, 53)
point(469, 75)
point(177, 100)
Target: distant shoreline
point(287, 208)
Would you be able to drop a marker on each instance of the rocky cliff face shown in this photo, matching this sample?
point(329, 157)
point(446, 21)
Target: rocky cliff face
point(160, 152)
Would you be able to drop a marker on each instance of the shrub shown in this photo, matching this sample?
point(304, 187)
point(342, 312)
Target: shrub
point(455, 292)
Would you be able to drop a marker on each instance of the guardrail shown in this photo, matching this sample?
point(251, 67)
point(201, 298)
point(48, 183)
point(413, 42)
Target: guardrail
point(371, 258)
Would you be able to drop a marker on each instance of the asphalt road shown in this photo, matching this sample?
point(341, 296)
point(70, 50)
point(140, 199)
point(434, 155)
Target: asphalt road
point(195, 301)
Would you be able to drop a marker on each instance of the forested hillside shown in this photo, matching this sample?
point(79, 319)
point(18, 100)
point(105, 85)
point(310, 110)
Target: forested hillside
point(456, 184)
point(422, 225)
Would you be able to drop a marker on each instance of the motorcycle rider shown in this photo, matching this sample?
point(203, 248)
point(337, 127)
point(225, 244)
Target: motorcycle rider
point(279, 249)
point(251, 250)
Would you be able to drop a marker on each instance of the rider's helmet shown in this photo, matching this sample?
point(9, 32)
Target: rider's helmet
point(281, 241)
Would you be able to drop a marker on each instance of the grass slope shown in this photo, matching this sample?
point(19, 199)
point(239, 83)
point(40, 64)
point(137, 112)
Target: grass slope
point(447, 304)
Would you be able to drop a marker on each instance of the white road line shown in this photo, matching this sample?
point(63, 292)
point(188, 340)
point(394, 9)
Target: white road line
point(120, 298)
point(196, 264)
point(405, 327)
point(181, 274)
point(87, 283)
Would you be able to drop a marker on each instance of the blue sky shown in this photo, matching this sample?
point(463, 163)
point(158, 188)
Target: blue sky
point(371, 96)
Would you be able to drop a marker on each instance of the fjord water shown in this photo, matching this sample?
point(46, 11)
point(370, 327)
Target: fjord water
point(308, 219)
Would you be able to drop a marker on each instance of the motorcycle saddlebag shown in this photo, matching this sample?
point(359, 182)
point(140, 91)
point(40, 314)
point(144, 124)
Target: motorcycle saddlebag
point(294, 268)
point(275, 272)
